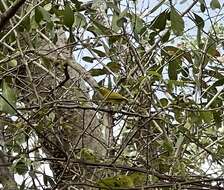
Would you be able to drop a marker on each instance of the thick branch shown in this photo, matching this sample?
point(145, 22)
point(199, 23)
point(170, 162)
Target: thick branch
point(77, 67)
point(6, 177)
point(4, 18)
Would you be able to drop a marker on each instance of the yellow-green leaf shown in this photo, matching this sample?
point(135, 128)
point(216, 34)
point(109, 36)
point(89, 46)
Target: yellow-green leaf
point(207, 116)
point(138, 178)
point(115, 18)
point(114, 66)
point(79, 20)
point(13, 63)
point(116, 182)
point(164, 102)
point(215, 4)
point(168, 145)
point(45, 14)
point(10, 99)
point(88, 155)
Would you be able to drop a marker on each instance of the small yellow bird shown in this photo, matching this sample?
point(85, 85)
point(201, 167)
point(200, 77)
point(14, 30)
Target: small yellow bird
point(111, 96)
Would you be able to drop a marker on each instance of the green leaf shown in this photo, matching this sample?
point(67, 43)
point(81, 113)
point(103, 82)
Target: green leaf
point(207, 116)
point(168, 145)
point(172, 69)
point(152, 36)
point(164, 102)
point(21, 167)
point(137, 23)
point(97, 72)
point(199, 21)
point(176, 53)
point(113, 6)
point(215, 4)
point(216, 74)
point(160, 21)
point(10, 96)
point(217, 118)
point(202, 2)
point(25, 24)
point(71, 38)
point(138, 178)
point(114, 38)
point(88, 59)
point(220, 151)
point(211, 47)
point(79, 20)
point(166, 37)
point(45, 15)
point(202, 7)
point(120, 22)
point(68, 16)
point(115, 26)
point(154, 73)
point(101, 28)
point(177, 22)
point(219, 82)
point(114, 66)
point(99, 53)
point(38, 16)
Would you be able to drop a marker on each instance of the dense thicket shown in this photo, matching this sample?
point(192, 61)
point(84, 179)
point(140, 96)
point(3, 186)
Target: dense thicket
point(111, 94)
